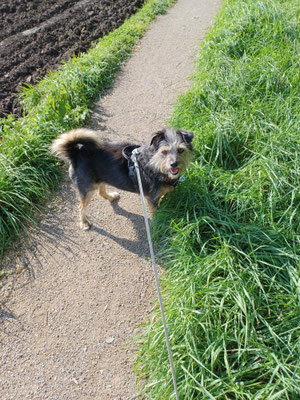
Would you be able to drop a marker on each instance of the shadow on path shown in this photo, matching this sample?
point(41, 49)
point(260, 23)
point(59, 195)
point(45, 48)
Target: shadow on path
point(138, 246)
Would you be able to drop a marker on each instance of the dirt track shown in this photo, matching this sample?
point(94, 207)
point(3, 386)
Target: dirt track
point(67, 321)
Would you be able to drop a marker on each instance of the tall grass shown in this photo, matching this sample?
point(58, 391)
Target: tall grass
point(229, 236)
point(61, 101)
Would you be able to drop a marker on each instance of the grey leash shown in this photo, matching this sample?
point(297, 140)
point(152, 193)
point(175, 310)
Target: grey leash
point(134, 153)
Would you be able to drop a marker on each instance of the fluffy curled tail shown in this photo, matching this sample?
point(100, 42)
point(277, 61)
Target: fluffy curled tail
point(68, 145)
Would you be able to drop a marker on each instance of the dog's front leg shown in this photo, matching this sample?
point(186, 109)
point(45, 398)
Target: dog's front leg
point(162, 191)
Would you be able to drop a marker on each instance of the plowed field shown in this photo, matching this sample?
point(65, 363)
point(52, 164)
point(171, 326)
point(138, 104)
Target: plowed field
point(37, 35)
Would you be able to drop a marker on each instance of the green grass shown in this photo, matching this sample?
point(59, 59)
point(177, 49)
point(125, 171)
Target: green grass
point(229, 235)
point(61, 101)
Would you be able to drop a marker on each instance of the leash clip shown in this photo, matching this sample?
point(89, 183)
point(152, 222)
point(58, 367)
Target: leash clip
point(135, 152)
point(129, 153)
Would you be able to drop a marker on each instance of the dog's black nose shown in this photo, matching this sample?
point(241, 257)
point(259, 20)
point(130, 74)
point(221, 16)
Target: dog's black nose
point(174, 164)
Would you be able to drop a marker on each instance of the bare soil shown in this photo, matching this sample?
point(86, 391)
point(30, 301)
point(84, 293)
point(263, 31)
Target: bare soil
point(69, 316)
point(38, 35)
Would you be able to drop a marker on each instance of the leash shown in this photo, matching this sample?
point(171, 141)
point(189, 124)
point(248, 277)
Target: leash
point(136, 165)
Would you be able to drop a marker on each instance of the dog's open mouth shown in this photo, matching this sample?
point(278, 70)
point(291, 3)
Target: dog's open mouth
point(174, 171)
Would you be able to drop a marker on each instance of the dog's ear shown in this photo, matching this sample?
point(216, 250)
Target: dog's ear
point(157, 137)
point(186, 135)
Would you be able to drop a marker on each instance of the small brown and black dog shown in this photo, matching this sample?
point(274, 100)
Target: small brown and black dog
point(95, 163)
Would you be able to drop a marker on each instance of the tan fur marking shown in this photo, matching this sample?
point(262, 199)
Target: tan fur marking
point(164, 148)
point(84, 223)
point(163, 190)
point(111, 196)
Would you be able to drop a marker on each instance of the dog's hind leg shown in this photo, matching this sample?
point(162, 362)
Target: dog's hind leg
point(111, 196)
point(84, 202)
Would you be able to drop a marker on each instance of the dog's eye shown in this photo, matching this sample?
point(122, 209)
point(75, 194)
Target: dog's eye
point(180, 150)
point(164, 152)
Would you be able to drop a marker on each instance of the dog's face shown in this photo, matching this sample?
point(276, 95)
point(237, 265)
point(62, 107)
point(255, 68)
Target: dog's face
point(173, 152)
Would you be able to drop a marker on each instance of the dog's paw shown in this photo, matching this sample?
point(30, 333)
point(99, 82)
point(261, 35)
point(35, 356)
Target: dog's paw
point(86, 225)
point(113, 196)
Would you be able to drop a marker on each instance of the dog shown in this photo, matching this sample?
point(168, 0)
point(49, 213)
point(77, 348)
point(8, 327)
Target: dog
point(95, 163)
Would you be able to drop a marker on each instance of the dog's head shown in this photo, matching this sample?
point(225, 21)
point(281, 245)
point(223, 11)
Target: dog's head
point(172, 150)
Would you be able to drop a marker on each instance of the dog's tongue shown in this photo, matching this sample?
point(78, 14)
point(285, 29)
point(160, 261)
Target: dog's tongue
point(174, 171)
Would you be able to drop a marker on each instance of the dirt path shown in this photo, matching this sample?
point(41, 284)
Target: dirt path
point(67, 320)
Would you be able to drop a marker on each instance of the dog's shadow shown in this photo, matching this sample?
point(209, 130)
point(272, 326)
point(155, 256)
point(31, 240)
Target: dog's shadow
point(138, 246)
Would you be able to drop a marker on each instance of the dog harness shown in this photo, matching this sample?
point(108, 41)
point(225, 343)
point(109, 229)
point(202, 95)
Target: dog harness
point(127, 154)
